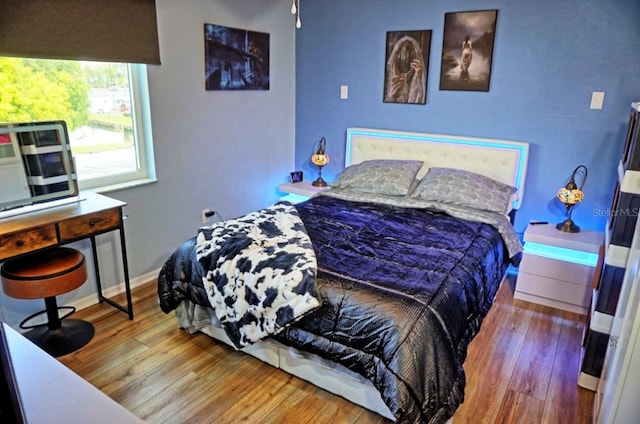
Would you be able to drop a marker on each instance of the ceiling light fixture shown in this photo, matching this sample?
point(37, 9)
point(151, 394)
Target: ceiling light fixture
point(295, 10)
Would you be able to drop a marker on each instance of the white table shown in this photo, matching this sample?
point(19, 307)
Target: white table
point(52, 393)
point(557, 267)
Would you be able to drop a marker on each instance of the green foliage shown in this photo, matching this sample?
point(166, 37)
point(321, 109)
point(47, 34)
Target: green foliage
point(42, 90)
point(37, 90)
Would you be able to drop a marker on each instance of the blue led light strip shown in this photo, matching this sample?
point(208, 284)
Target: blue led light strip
point(294, 198)
point(561, 253)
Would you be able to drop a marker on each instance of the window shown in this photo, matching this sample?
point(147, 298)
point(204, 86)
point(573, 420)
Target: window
point(105, 105)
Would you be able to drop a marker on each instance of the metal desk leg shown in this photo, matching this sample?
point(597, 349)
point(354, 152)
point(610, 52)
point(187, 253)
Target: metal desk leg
point(125, 265)
point(97, 267)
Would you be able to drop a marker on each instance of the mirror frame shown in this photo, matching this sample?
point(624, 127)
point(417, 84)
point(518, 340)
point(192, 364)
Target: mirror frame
point(18, 134)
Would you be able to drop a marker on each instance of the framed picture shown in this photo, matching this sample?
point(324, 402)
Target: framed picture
point(467, 50)
point(235, 59)
point(406, 66)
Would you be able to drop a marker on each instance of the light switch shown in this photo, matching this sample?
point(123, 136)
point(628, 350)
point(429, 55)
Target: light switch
point(597, 99)
point(344, 91)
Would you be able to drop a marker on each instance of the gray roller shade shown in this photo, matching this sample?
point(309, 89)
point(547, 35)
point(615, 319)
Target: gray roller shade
point(101, 30)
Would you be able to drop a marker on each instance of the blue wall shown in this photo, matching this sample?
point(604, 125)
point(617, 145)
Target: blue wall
point(549, 56)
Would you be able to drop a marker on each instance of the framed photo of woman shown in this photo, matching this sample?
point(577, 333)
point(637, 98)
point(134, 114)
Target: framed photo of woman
point(467, 50)
point(406, 66)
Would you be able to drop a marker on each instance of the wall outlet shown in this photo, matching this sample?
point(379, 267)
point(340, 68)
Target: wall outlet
point(205, 217)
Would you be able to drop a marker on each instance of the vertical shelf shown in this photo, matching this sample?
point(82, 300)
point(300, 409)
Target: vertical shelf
point(618, 237)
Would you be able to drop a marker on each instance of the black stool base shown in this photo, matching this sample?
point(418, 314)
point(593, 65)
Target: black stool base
point(71, 336)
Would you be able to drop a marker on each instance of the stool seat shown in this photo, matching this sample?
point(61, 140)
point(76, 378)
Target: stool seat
point(45, 275)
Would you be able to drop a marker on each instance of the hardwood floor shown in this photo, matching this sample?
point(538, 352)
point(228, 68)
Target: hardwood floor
point(521, 368)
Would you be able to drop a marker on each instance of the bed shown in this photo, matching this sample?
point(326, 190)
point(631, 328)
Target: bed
point(395, 269)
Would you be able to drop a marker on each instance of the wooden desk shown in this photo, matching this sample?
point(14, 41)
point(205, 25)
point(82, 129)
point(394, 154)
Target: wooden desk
point(96, 214)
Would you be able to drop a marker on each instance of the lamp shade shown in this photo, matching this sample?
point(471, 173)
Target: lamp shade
point(320, 159)
point(569, 196)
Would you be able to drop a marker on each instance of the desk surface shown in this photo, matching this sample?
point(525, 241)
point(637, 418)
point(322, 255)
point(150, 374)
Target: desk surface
point(91, 203)
point(52, 393)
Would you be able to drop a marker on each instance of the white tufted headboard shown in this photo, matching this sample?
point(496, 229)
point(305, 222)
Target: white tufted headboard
point(502, 160)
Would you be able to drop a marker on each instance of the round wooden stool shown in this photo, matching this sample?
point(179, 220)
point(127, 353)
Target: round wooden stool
point(45, 275)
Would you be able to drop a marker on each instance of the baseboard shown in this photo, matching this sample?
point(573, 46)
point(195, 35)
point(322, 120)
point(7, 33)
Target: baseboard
point(109, 292)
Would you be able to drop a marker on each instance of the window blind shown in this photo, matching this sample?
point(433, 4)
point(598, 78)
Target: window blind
point(100, 30)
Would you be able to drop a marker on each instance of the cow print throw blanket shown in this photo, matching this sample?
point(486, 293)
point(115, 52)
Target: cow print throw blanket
point(260, 272)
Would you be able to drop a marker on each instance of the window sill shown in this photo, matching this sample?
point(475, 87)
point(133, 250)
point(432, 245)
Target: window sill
point(122, 186)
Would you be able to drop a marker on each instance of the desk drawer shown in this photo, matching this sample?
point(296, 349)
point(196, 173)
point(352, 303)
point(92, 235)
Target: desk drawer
point(20, 242)
point(86, 225)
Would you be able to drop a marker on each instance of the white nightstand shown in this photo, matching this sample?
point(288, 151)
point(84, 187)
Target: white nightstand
point(299, 192)
point(557, 268)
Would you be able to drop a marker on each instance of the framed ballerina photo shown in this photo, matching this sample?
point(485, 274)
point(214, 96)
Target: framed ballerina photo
point(406, 66)
point(467, 50)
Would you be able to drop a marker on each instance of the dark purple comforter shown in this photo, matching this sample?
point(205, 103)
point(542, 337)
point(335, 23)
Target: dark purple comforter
point(404, 291)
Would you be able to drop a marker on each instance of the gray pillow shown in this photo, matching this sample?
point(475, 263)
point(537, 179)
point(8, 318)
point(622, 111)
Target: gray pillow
point(380, 176)
point(464, 188)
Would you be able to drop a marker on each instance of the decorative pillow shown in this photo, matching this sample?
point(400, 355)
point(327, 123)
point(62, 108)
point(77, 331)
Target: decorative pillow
point(380, 176)
point(464, 188)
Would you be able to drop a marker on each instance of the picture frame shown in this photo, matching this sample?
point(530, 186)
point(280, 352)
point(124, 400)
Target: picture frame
point(407, 66)
point(235, 59)
point(467, 50)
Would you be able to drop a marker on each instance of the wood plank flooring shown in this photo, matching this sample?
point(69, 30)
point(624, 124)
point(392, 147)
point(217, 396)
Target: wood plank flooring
point(521, 368)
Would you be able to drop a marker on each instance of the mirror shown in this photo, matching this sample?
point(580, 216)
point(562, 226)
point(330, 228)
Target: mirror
point(36, 165)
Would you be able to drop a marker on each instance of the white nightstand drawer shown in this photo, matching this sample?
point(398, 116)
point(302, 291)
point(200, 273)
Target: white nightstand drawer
point(549, 288)
point(557, 270)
